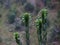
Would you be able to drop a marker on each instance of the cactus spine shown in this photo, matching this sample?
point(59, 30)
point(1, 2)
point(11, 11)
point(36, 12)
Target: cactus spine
point(41, 30)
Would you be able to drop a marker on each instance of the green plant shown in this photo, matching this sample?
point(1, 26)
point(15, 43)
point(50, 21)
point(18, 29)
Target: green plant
point(16, 35)
point(26, 23)
point(44, 13)
point(39, 30)
point(11, 17)
point(41, 27)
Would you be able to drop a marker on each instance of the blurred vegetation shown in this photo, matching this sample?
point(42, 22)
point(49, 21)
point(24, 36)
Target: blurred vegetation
point(29, 7)
point(11, 18)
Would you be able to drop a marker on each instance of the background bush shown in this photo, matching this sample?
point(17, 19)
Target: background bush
point(29, 7)
point(11, 18)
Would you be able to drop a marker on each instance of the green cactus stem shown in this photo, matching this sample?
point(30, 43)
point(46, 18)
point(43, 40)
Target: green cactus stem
point(44, 17)
point(16, 35)
point(26, 22)
point(39, 30)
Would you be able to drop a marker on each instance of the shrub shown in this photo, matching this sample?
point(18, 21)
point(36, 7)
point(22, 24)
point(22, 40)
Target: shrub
point(11, 18)
point(44, 15)
point(29, 7)
point(39, 30)
point(41, 27)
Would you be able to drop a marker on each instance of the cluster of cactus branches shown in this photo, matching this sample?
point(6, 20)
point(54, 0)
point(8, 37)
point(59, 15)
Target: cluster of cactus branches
point(40, 25)
point(44, 21)
point(41, 30)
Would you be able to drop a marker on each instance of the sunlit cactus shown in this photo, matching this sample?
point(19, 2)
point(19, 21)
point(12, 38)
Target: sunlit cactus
point(16, 35)
point(39, 30)
point(41, 27)
point(44, 13)
point(25, 19)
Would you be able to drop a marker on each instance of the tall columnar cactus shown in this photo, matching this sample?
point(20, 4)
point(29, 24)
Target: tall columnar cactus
point(39, 30)
point(26, 23)
point(44, 15)
point(16, 35)
point(44, 21)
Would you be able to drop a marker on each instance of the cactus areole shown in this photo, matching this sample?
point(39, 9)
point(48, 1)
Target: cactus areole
point(26, 18)
point(44, 15)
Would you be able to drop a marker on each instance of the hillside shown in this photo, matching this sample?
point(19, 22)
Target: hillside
point(7, 30)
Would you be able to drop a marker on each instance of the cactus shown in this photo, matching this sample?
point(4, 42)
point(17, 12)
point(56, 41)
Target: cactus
point(29, 7)
point(41, 27)
point(39, 30)
point(26, 23)
point(11, 17)
point(44, 21)
point(44, 15)
point(16, 35)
